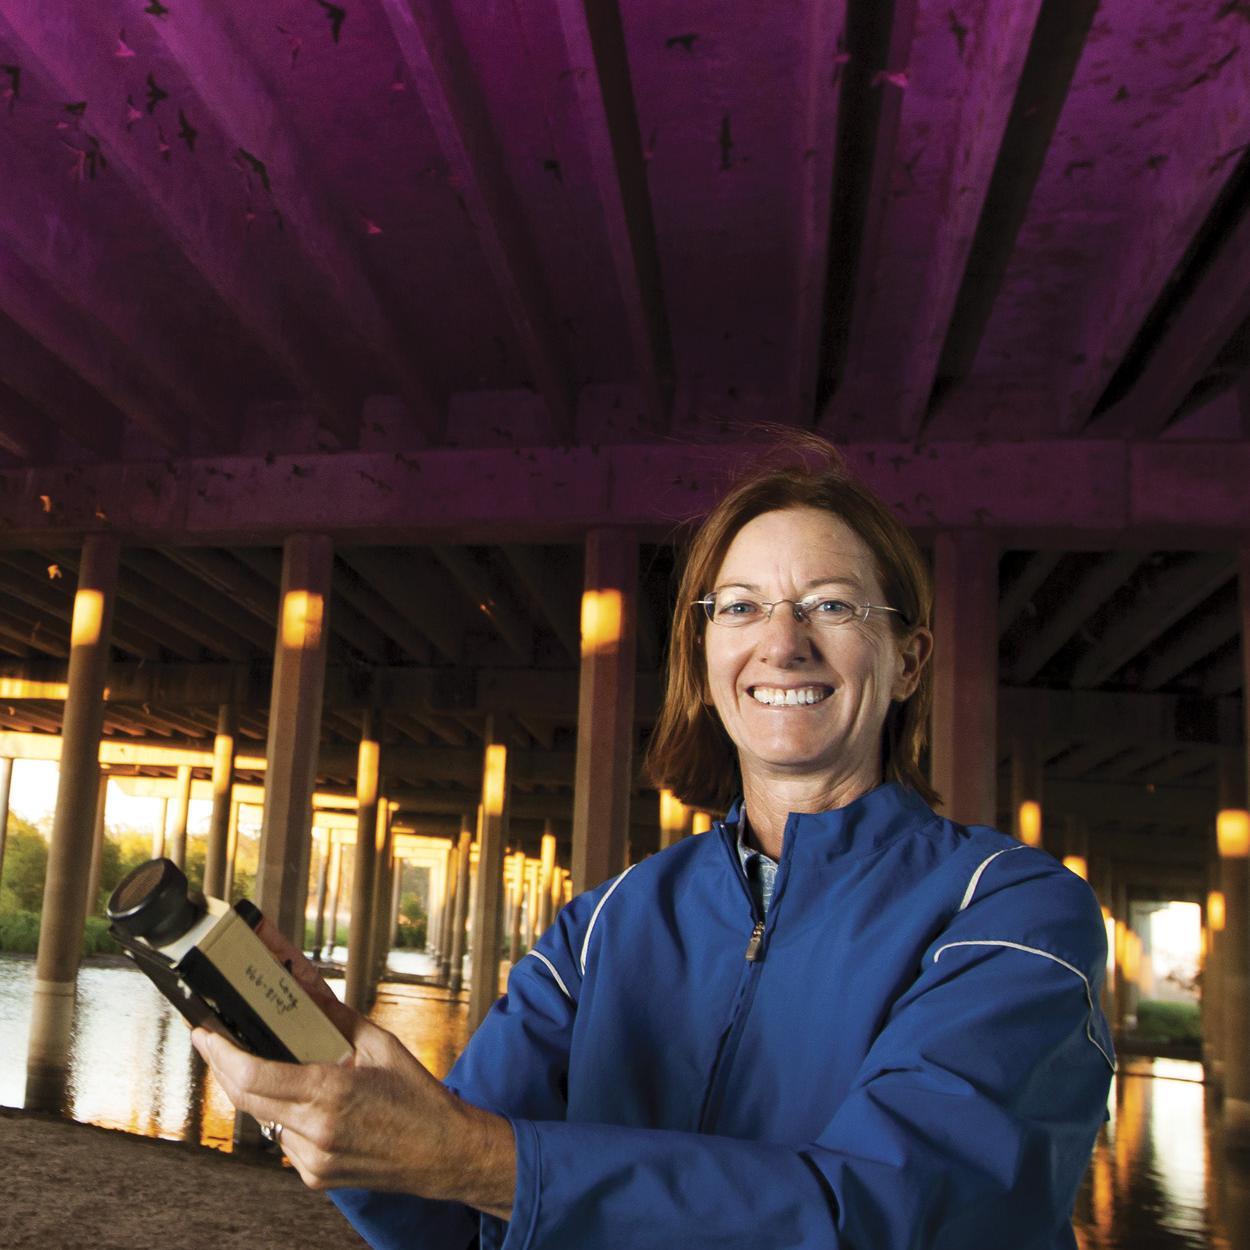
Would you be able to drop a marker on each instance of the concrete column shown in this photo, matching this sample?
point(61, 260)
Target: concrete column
point(219, 822)
point(6, 784)
point(294, 732)
point(232, 848)
point(1212, 982)
point(518, 900)
point(964, 742)
point(159, 840)
point(1074, 850)
point(435, 898)
point(470, 934)
point(397, 882)
point(439, 886)
point(380, 933)
point(73, 825)
point(1105, 875)
point(1128, 952)
point(449, 911)
point(336, 875)
point(363, 866)
point(531, 903)
point(464, 846)
point(1234, 839)
point(603, 776)
point(674, 817)
point(323, 889)
point(488, 890)
point(97, 846)
point(546, 872)
point(1027, 811)
point(177, 842)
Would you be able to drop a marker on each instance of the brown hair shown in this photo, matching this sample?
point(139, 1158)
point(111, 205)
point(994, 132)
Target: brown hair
point(690, 752)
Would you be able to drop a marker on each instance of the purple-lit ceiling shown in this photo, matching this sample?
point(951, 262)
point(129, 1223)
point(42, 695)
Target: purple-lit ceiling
point(299, 231)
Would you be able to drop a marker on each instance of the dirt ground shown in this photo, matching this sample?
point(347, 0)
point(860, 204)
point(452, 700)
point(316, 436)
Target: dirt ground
point(75, 1185)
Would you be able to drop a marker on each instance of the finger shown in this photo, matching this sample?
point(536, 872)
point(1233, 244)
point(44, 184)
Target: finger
point(305, 972)
point(292, 958)
point(264, 1088)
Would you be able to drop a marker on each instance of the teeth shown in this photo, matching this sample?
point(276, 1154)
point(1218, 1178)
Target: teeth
point(775, 697)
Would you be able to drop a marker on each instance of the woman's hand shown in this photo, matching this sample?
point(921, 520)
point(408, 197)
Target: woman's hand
point(379, 1120)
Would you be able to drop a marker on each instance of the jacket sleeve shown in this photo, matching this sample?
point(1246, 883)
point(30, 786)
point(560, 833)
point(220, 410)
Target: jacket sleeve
point(515, 1065)
point(969, 1124)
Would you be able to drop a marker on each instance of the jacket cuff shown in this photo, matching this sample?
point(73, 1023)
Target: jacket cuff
point(526, 1200)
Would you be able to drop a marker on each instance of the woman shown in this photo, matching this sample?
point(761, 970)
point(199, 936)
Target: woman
point(837, 1020)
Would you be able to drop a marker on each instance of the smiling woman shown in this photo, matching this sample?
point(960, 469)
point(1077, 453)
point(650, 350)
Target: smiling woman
point(803, 693)
point(835, 1019)
point(841, 541)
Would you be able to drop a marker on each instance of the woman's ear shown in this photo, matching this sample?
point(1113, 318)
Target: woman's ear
point(914, 653)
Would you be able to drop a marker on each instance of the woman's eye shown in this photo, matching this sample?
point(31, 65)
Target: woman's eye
point(832, 607)
point(737, 607)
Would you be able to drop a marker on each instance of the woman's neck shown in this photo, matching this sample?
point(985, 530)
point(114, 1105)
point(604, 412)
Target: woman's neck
point(769, 802)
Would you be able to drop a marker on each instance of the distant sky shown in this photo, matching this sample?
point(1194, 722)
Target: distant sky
point(33, 797)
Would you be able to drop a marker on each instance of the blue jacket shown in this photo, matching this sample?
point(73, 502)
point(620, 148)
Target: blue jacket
point(915, 1058)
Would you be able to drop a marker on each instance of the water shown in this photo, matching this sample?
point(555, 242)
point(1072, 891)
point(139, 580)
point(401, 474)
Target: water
point(1159, 1180)
point(132, 1066)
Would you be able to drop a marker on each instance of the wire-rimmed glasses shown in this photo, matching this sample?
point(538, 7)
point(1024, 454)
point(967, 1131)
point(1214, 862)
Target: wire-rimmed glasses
point(736, 608)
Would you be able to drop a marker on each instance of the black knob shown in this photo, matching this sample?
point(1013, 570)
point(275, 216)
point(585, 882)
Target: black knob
point(155, 903)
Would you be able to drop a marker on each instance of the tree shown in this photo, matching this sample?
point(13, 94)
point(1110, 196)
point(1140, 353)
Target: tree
point(25, 867)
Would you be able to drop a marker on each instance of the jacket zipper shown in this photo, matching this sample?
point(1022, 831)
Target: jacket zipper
point(754, 954)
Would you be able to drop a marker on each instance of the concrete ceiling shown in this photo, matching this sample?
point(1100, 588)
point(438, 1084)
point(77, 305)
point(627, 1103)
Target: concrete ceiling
point(455, 281)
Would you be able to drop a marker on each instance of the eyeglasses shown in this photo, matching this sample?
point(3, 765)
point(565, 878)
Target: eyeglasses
point(734, 609)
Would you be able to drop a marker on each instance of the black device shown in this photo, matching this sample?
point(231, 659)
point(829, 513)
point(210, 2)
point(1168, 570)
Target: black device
point(205, 957)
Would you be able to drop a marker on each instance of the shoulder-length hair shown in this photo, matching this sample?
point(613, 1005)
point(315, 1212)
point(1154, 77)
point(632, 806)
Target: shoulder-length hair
point(689, 752)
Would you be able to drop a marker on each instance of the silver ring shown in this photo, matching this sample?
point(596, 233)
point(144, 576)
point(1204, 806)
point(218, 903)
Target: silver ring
point(271, 1130)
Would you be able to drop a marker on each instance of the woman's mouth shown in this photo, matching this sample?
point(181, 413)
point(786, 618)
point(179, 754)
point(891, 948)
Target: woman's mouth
point(794, 696)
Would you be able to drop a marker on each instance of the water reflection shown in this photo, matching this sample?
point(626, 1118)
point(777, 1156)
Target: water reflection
point(1160, 1178)
point(132, 1066)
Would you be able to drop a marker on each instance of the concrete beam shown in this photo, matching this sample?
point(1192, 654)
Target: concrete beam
point(93, 350)
point(1138, 803)
point(25, 431)
point(1214, 311)
point(816, 152)
point(1059, 493)
point(595, 43)
point(205, 225)
point(1089, 593)
point(149, 343)
point(222, 71)
point(1011, 601)
point(947, 132)
point(1150, 851)
point(432, 50)
point(1207, 124)
point(40, 380)
point(1161, 600)
point(552, 694)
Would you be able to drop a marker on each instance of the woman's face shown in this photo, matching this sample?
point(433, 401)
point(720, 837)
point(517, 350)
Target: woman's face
point(850, 673)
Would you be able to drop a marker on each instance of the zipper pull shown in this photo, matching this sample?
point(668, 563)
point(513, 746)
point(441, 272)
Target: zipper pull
point(753, 946)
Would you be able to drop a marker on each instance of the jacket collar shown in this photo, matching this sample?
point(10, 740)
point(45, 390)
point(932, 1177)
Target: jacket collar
point(869, 823)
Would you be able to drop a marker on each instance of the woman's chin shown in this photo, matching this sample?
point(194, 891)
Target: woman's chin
point(792, 759)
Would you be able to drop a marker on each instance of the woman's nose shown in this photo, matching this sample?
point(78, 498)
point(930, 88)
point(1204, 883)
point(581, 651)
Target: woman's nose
point(785, 636)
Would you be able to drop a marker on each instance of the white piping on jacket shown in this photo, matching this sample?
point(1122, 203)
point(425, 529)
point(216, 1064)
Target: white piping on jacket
point(1033, 950)
point(590, 928)
point(564, 989)
point(981, 867)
